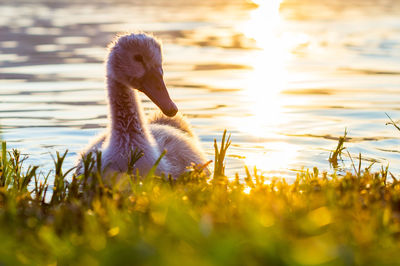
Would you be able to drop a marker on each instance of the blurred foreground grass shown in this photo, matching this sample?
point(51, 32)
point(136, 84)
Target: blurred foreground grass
point(319, 219)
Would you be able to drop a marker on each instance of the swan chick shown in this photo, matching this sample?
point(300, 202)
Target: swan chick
point(134, 64)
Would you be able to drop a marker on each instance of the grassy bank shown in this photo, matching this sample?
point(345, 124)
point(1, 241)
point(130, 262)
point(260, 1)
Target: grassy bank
point(319, 219)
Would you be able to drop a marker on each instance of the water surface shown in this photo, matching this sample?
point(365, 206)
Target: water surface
point(284, 77)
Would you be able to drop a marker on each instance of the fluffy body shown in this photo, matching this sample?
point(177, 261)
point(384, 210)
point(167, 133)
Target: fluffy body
point(134, 62)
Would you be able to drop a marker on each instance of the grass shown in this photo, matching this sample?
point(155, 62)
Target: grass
point(320, 219)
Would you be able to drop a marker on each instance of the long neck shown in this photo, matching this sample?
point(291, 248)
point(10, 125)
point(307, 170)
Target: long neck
point(128, 124)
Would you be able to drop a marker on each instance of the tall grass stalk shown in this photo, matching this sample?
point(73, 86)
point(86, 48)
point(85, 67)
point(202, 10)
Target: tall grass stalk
point(219, 164)
point(337, 153)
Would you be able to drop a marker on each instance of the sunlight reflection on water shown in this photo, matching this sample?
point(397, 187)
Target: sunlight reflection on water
point(263, 87)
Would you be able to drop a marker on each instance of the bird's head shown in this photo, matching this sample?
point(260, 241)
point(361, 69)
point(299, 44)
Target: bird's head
point(135, 60)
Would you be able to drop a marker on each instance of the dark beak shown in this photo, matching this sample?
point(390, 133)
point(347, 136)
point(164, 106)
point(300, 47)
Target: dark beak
point(154, 87)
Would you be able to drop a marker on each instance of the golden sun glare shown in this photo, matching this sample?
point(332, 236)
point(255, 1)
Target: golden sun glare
point(269, 75)
point(264, 85)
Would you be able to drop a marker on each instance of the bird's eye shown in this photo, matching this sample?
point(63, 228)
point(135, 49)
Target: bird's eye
point(138, 58)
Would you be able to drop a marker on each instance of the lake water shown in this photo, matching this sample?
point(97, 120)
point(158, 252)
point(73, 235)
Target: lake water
point(285, 78)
